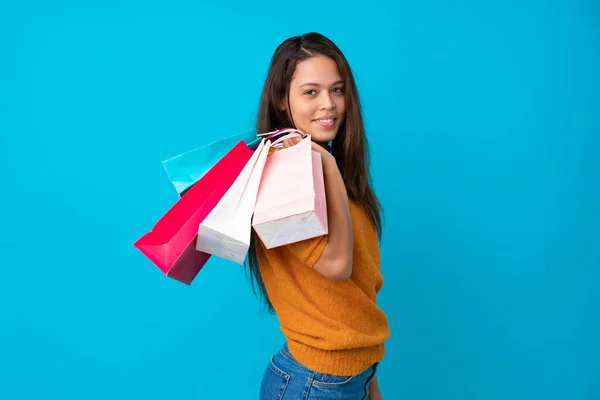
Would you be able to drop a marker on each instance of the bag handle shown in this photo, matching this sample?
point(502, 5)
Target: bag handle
point(278, 142)
point(270, 135)
point(290, 132)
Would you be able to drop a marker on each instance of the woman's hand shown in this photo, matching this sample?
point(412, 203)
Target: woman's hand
point(326, 156)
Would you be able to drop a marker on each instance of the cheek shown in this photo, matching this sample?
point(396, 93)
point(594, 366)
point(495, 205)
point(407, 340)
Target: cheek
point(341, 106)
point(302, 109)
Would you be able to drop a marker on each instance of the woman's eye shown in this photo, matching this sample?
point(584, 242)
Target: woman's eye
point(338, 90)
point(310, 92)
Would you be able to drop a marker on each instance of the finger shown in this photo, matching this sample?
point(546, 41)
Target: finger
point(291, 142)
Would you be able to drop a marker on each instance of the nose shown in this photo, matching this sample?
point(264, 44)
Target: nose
point(326, 102)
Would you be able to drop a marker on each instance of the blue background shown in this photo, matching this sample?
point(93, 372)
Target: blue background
point(484, 123)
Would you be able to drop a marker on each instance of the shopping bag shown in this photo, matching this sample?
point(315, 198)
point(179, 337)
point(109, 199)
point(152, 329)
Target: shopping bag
point(226, 231)
point(291, 204)
point(186, 169)
point(171, 244)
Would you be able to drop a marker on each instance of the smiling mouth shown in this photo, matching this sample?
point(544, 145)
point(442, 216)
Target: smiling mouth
point(325, 122)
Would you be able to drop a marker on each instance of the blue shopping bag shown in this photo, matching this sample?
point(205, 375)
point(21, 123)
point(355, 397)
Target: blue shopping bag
point(186, 169)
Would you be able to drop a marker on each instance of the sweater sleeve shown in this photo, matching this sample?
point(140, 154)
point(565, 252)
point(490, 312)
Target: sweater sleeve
point(307, 251)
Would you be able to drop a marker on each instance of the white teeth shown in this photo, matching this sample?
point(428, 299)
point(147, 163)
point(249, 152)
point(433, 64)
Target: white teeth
point(324, 120)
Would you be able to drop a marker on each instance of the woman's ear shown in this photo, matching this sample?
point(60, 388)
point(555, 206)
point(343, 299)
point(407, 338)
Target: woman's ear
point(283, 105)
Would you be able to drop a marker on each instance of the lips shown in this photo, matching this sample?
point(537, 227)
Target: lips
point(326, 122)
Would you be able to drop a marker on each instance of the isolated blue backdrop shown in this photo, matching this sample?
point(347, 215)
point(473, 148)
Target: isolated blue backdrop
point(483, 119)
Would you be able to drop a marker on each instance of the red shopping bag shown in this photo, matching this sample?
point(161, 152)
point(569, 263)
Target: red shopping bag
point(171, 244)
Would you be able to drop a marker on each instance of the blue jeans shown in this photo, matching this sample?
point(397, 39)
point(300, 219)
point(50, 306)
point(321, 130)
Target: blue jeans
point(286, 379)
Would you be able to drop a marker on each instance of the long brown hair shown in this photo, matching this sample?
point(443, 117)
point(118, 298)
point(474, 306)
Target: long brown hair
point(350, 146)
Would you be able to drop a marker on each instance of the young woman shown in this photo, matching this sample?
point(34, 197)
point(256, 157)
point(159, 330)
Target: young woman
point(323, 290)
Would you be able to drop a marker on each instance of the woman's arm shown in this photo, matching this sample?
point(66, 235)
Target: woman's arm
point(336, 260)
point(374, 393)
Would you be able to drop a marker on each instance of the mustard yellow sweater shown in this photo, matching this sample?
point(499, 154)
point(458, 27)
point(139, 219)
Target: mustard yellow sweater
point(332, 327)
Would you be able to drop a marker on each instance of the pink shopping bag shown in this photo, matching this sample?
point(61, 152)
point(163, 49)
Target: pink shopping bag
point(171, 244)
point(291, 204)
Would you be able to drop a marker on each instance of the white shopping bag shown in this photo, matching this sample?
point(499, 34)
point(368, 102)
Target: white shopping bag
point(226, 231)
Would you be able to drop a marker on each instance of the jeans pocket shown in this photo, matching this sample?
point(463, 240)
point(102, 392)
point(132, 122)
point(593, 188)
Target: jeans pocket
point(274, 382)
point(331, 381)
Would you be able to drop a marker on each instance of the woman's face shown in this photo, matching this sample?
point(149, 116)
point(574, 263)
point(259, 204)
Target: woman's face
point(316, 98)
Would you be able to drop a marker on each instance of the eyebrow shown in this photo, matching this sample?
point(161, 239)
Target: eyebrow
point(316, 84)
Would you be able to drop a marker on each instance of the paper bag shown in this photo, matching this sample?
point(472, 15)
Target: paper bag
point(291, 205)
point(171, 244)
point(186, 169)
point(226, 231)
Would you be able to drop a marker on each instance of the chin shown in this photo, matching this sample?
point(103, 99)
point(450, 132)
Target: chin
point(323, 136)
point(320, 139)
